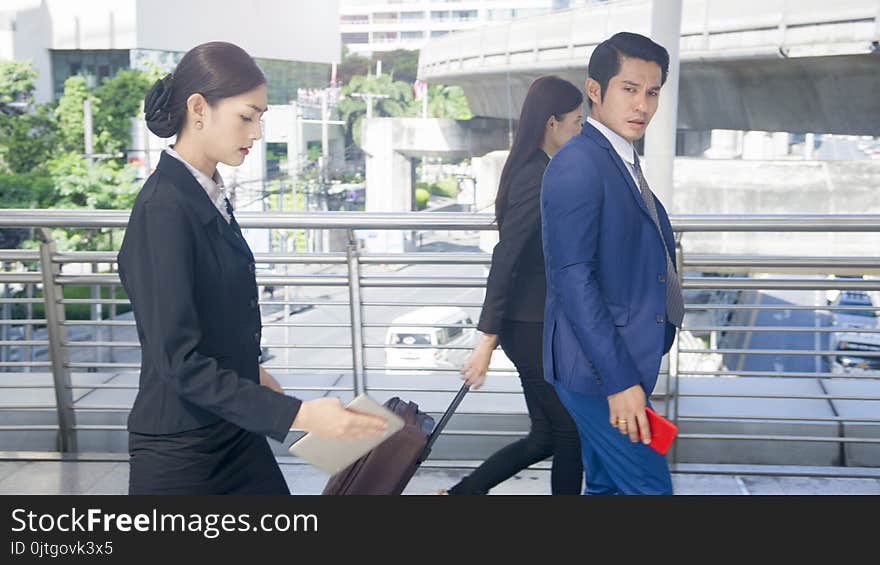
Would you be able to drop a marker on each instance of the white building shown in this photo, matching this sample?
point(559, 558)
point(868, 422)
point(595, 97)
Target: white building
point(297, 40)
point(294, 42)
point(369, 26)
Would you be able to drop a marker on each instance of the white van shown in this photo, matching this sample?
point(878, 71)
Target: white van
point(848, 340)
point(416, 339)
point(419, 328)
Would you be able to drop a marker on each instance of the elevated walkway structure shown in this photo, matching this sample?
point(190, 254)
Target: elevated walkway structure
point(769, 65)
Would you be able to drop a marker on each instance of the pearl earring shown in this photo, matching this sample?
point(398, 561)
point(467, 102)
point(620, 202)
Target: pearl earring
point(199, 125)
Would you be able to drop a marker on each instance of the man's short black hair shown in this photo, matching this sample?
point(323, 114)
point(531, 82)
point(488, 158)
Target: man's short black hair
point(605, 60)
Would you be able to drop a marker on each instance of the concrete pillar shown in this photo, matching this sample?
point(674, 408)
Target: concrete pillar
point(140, 148)
point(294, 137)
point(7, 43)
point(389, 186)
point(487, 170)
point(725, 144)
point(779, 146)
point(809, 146)
point(26, 38)
point(765, 145)
point(389, 145)
point(660, 138)
point(388, 172)
point(755, 145)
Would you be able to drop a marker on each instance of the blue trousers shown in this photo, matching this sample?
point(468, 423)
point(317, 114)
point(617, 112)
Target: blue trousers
point(612, 463)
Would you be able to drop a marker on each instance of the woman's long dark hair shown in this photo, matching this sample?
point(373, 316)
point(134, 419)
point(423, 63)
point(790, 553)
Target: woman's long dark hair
point(547, 96)
point(216, 70)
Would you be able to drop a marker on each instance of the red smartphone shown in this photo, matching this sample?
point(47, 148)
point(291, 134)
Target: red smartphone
point(663, 431)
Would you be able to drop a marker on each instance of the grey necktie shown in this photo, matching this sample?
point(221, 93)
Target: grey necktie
point(674, 299)
point(229, 211)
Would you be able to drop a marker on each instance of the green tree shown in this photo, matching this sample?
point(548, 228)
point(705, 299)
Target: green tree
point(447, 102)
point(397, 104)
point(352, 65)
point(401, 64)
point(101, 185)
point(27, 134)
point(17, 81)
point(32, 189)
point(120, 100)
point(41, 150)
point(26, 142)
point(70, 114)
point(27, 139)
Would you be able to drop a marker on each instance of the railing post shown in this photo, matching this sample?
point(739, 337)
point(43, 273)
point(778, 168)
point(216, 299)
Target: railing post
point(6, 309)
point(877, 22)
point(96, 311)
point(52, 295)
point(29, 328)
point(356, 312)
point(672, 387)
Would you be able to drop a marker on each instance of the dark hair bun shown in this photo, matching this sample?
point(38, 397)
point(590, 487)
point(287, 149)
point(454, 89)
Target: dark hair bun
point(159, 114)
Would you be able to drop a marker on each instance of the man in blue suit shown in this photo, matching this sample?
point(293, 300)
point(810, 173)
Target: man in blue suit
point(613, 298)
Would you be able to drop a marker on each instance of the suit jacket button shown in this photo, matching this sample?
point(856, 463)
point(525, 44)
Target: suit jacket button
point(257, 337)
point(661, 278)
point(659, 318)
point(252, 267)
point(254, 303)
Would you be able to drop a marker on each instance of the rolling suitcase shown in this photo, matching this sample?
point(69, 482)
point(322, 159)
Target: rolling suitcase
point(388, 468)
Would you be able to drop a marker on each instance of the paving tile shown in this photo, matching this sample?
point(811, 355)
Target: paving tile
point(810, 485)
point(111, 477)
point(55, 477)
point(705, 485)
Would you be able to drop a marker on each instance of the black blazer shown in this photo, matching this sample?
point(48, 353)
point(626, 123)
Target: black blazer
point(190, 277)
point(517, 286)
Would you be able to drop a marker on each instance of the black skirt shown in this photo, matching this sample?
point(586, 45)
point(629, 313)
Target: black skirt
point(221, 458)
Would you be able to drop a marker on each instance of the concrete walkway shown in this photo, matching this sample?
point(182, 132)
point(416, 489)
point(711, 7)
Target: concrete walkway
point(110, 476)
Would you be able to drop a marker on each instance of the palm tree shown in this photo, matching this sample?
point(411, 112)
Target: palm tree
point(448, 102)
point(396, 104)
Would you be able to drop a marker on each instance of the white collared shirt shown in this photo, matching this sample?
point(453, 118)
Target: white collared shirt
point(623, 147)
point(213, 186)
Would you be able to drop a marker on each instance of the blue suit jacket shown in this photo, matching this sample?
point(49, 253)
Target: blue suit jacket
point(605, 326)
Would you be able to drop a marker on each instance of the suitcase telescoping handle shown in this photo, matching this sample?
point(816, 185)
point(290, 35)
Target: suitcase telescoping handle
point(444, 420)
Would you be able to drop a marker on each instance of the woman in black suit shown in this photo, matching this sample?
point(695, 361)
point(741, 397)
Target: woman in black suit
point(204, 405)
point(513, 309)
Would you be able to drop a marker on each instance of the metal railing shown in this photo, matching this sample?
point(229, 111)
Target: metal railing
point(352, 295)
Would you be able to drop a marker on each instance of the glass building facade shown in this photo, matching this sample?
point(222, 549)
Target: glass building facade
point(284, 77)
point(94, 64)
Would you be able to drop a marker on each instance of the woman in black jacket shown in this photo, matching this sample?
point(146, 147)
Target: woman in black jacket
point(204, 405)
point(513, 309)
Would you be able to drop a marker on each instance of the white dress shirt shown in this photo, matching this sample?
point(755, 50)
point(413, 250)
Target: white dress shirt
point(213, 186)
point(623, 147)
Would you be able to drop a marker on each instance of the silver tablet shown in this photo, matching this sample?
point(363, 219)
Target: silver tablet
point(334, 455)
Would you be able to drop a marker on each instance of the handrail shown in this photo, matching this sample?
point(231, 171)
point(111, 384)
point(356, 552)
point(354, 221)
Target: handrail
point(728, 322)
